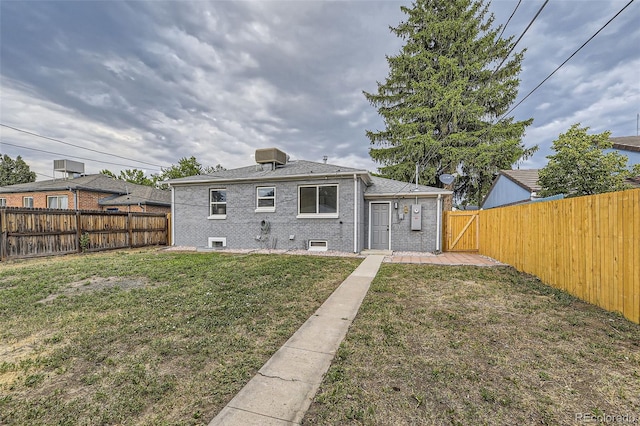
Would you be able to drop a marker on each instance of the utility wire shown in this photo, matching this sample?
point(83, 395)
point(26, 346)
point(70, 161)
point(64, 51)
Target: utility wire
point(72, 156)
point(435, 147)
point(559, 66)
point(77, 146)
point(566, 60)
point(432, 151)
point(521, 35)
point(509, 20)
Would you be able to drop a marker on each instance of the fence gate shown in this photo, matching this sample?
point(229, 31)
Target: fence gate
point(461, 231)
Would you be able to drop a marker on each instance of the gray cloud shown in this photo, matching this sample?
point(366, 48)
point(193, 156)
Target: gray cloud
point(157, 81)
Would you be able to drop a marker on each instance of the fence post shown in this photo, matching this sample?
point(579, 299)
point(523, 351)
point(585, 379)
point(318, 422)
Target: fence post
point(130, 228)
point(4, 234)
point(78, 231)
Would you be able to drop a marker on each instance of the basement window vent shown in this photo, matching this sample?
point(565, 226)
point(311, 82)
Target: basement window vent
point(217, 242)
point(317, 245)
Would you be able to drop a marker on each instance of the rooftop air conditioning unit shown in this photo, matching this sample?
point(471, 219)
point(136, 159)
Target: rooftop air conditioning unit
point(271, 155)
point(68, 166)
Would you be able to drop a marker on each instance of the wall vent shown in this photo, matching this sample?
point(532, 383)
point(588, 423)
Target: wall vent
point(271, 155)
point(217, 242)
point(318, 245)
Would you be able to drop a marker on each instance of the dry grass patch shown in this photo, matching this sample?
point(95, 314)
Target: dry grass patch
point(464, 345)
point(147, 337)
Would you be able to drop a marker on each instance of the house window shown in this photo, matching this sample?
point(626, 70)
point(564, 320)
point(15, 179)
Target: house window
point(3, 202)
point(58, 202)
point(218, 200)
point(318, 201)
point(27, 202)
point(266, 199)
point(317, 245)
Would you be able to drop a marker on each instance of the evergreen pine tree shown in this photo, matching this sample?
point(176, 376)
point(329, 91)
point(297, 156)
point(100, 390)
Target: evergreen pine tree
point(442, 97)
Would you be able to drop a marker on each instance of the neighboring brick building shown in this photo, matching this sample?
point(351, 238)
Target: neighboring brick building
point(91, 192)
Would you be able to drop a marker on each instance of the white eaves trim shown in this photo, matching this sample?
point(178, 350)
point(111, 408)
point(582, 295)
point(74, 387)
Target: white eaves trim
point(270, 178)
point(419, 194)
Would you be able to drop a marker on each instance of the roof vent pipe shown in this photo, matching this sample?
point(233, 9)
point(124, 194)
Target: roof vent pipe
point(324, 159)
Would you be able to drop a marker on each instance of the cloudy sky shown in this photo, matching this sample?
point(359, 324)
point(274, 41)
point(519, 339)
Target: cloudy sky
point(153, 81)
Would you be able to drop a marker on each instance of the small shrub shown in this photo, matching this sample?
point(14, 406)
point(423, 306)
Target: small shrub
point(84, 241)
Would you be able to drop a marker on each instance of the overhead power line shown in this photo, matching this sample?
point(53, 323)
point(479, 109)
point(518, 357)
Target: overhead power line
point(432, 151)
point(509, 20)
point(72, 156)
point(78, 146)
point(513, 46)
point(566, 60)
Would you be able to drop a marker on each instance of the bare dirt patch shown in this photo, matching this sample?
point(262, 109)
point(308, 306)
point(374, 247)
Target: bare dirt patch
point(96, 284)
point(19, 351)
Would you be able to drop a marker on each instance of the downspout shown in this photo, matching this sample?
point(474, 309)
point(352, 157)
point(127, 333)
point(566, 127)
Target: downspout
point(173, 217)
point(75, 197)
point(355, 213)
point(438, 222)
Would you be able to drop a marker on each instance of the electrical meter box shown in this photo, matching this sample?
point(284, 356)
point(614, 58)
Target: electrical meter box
point(416, 217)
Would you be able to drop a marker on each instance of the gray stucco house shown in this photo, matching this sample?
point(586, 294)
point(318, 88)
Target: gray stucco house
point(293, 205)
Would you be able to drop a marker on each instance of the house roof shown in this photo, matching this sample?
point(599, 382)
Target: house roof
point(141, 194)
point(302, 169)
point(526, 178)
point(633, 181)
point(124, 193)
point(292, 169)
point(627, 143)
point(389, 187)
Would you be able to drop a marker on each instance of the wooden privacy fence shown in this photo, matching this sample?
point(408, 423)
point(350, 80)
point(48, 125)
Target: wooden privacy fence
point(461, 231)
point(586, 246)
point(43, 232)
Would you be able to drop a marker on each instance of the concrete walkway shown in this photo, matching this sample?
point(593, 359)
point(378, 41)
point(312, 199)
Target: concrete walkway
point(282, 391)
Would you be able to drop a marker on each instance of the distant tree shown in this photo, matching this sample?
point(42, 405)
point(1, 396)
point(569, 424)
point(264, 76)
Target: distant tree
point(131, 175)
point(15, 171)
point(108, 173)
point(213, 169)
point(443, 95)
point(580, 167)
point(185, 167)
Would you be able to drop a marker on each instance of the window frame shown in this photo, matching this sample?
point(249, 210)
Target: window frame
point(58, 198)
point(24, 199)
point(265, 209)
point(217, 203)
point(3, 202)
point(317, 214)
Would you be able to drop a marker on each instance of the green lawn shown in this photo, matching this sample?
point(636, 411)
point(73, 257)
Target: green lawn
point(147, 336)
point(437, 345)
point(158, 337)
